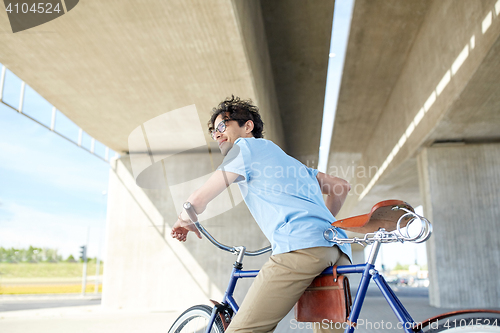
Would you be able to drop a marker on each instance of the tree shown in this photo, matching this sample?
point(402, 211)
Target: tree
point(400, 267)
point(71, 258)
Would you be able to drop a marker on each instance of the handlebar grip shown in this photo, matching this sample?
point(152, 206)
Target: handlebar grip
point(190, 211)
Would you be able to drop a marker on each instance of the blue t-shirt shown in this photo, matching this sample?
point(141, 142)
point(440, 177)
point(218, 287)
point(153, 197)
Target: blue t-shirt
point(282, 194)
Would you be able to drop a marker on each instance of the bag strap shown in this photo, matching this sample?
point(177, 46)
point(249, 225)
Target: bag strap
point(348, 298)
point(335, 273)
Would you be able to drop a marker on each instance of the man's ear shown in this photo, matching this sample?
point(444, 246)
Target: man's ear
point(249, 125)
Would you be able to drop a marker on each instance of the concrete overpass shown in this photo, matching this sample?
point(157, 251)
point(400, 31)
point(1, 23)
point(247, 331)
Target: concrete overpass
point(417, 75)
point(418, 119)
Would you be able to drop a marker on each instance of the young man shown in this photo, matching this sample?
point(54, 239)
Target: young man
point(286, 199)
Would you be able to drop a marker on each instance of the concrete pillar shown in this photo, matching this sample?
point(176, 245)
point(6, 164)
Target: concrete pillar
point(460, 186)
point(147, 269)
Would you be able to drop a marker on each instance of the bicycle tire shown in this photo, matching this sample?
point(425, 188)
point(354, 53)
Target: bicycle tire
point(468, 323)
point(195, 320)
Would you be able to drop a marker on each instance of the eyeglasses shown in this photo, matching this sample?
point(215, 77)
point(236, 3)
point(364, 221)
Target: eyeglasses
point(221, 128)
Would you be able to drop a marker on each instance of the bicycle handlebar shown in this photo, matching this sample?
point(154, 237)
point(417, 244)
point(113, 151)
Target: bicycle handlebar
point(234, 249)
point(331, 234)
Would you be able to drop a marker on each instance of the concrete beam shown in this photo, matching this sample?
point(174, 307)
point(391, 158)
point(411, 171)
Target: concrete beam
point(298, 35)
point(110, 68)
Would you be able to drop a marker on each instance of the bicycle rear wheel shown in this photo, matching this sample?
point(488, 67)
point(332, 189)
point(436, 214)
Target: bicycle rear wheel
point(467, 323)
point(195, 320)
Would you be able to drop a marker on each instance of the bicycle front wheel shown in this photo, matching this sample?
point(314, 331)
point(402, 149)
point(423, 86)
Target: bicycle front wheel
point(468, 323)
point(195, 320)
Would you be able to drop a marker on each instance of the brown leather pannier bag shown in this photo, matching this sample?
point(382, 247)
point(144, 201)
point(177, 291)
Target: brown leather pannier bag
point(328, 297)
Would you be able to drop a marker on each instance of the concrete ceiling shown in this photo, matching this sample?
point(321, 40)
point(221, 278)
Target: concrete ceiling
point(381, 36)
point(475, 115)
point(405, 58)
point(110, 66)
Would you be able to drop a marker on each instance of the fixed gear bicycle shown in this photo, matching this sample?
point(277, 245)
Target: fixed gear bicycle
point(384, 224)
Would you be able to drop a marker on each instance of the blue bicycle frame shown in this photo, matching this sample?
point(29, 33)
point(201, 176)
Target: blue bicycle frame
point(368, 271)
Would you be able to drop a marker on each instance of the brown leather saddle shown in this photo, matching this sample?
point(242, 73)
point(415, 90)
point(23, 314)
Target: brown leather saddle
point(383, 215)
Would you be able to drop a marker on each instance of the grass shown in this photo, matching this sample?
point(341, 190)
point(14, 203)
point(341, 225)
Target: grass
point(46, 270)
point(9, 273)
point(52, 289)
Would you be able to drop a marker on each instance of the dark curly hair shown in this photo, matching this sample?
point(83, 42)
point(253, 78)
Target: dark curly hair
point(240, 110)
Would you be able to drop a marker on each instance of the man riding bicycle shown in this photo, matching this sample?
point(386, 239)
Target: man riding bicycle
point(286, 199)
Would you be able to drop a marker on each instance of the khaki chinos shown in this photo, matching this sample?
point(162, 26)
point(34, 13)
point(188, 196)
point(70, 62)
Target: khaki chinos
point(278, 286)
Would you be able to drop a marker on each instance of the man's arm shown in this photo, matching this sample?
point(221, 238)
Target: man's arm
point(214, 186)
point(336, 190)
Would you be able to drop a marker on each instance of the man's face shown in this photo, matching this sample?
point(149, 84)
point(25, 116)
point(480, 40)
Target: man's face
point(231, 134)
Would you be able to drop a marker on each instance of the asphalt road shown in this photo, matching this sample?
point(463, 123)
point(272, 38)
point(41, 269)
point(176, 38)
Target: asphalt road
point(33, 304)
point(373, 291)
point(71, 315)
point(42, 302)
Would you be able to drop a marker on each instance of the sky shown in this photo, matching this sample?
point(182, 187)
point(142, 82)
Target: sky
point(51, 190)
point(338, 45)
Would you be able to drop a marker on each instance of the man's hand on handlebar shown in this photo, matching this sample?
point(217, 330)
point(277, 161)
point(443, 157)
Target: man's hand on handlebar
point(181, 229)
